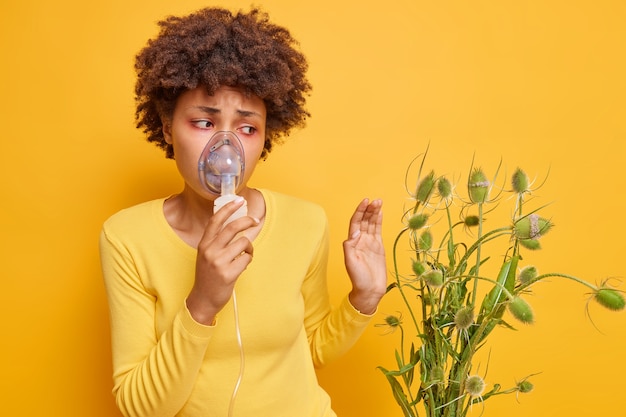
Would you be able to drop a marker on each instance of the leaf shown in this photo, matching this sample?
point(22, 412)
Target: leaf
point(399, 360)
point(451, 253)
point(414, 358)
point(403, 370)
point(391, 287)
point(496, 296)
point(398, 393)
point(510, 277)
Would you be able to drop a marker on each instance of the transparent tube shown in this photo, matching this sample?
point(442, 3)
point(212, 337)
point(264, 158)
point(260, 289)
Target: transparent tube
point(242, 358)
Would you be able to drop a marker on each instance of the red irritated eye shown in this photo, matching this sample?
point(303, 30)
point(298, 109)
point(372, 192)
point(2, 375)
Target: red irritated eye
point(248, 130)
point(203, 124)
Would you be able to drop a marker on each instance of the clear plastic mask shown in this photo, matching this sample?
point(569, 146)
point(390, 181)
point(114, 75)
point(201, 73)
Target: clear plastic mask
point(222, 163)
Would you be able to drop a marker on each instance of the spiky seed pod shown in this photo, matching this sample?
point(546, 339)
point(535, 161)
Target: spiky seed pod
point(474, 385)
point(435, 376)
point(425, 188)
point(419, 268)
point(519, 180)
point(437, 373)
point(521, 310)
point(425, 241)
point(478, 186)
point(527, 274)
point(392, 321)
point(532, 227)
point(525, 386)
point(471, 221)
point(433, 278)
point(610, 298)
point(417, 221)
point(464, 318)
point(444, 188)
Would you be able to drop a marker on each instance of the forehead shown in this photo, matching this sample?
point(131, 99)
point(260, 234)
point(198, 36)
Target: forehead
point(223, 98)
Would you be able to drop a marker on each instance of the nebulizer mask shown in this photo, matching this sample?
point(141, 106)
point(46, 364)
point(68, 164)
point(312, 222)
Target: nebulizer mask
point(221, 168)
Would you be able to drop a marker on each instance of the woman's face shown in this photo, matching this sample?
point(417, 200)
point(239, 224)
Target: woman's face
point(198, 115)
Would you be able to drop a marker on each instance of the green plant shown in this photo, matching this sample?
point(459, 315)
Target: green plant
point(455, 305)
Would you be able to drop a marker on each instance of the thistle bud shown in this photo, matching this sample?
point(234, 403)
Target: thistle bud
point(610, 298)
point(525, 386)
point(425, 241)
point(464, 318)
point(521, 310)
point(444, 188)
point(433, 278)
point(435, 376)
point(519, 181)
point(425, 188)
point(532, 227)
point(417, 221)
point(393, 321)
point(478, 186)
point(471, 221)
point(527, 274)
point(474, 385)
point(437, 373)
point(419, 268)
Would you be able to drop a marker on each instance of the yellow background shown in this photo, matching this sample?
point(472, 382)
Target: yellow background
point(537, 83)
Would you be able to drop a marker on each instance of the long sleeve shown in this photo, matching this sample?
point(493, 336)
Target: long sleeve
point(153, 376)
point(331, 332)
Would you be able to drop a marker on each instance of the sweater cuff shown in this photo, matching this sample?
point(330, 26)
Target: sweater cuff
point(192, 327)
point(355, 314)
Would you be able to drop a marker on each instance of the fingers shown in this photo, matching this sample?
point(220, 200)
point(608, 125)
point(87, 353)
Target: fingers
point(221, 216)
point(218, 229)
point(356, 219)
point(367, 218)
point(226, 245)
point(243, 252)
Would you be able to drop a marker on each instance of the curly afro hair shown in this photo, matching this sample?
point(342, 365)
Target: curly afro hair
point(212, 48)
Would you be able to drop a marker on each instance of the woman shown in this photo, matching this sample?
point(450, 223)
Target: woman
point(212, 316)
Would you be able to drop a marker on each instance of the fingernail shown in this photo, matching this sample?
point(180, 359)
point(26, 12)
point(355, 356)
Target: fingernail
point(257, 221)
point(355, 234)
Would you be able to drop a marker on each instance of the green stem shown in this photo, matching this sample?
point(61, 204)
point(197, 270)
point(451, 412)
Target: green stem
point(519, 204)
point(478, 249)
point(556, 274)
point(450, 245)
point(406, 382)
point(399, 284)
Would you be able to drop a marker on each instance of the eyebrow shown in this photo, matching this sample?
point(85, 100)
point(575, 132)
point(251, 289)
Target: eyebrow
point(213, 110)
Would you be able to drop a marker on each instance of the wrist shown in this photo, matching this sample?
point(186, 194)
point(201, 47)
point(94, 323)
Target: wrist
point(199, 312)
point(364, 303)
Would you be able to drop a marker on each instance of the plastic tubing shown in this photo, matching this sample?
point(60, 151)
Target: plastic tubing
point(242, 359)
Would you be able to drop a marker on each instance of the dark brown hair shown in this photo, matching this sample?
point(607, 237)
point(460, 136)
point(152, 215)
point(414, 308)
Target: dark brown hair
point(212, 48)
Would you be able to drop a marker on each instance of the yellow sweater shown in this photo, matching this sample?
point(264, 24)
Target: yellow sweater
point(166, 364)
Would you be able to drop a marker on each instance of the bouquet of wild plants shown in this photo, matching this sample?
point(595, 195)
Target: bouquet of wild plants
point(452, 305)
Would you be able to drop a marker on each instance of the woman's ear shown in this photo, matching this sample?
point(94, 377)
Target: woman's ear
point(167, 130)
